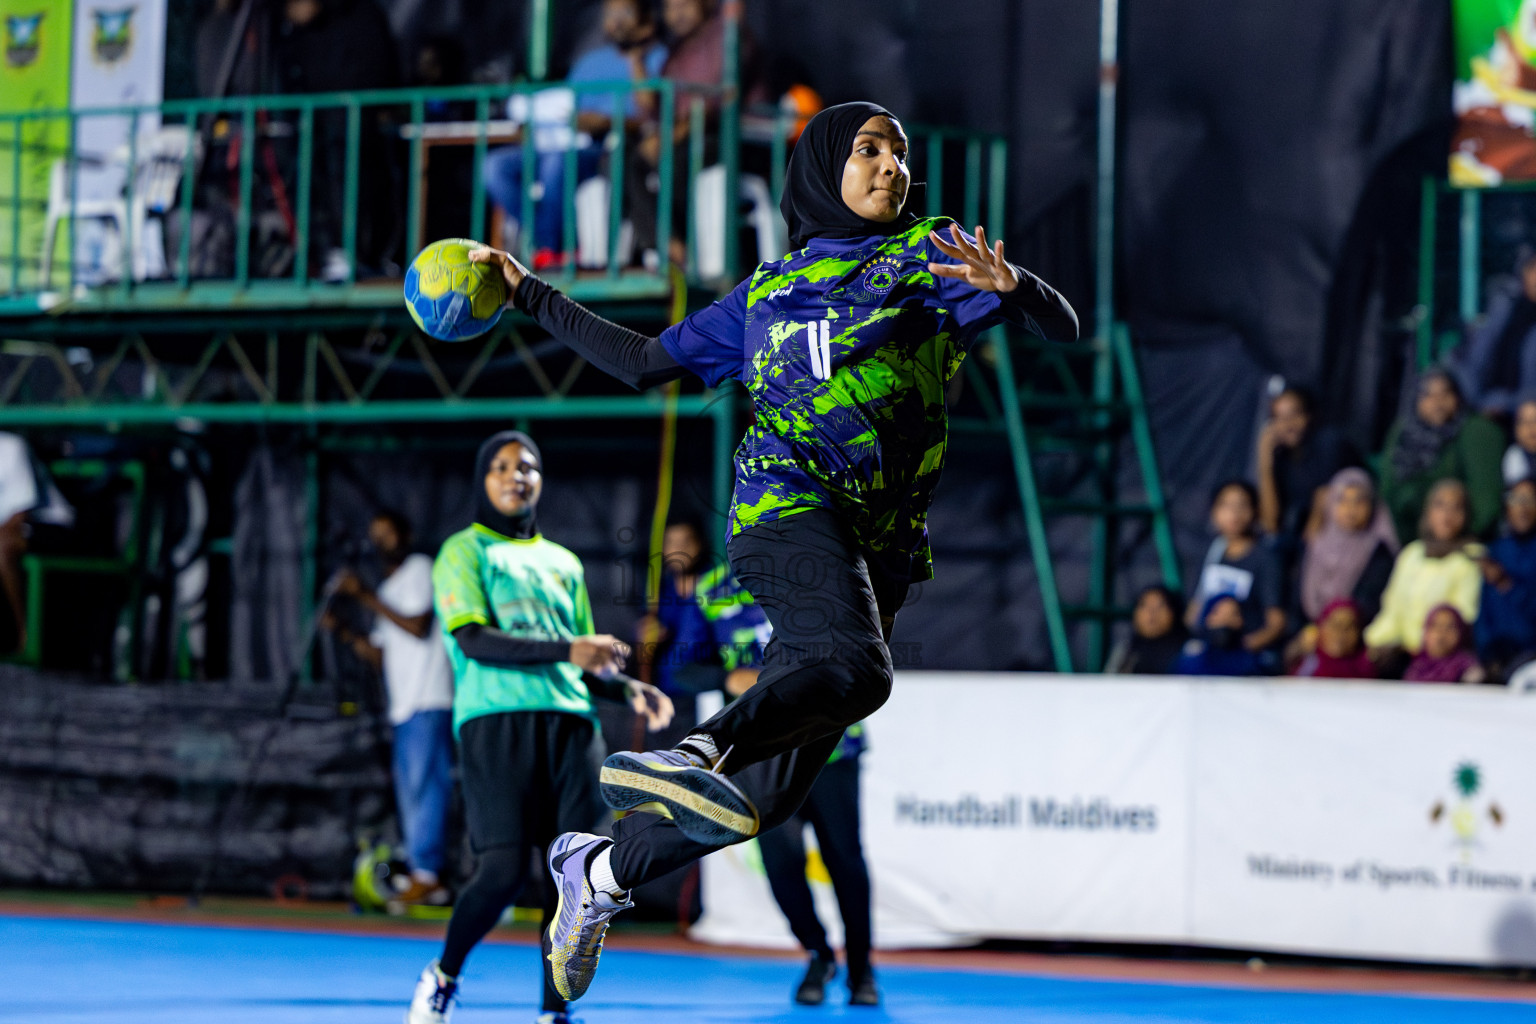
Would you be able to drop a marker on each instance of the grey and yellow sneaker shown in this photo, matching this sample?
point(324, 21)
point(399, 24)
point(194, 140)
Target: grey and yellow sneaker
point(706, 806)
point(581, 917)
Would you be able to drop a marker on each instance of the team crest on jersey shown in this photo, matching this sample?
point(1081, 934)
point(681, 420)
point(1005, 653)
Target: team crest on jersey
point(882, 276)
point(114, 34)
point(22, 38)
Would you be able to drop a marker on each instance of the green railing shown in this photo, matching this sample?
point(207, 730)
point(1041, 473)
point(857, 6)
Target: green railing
point(274, 148)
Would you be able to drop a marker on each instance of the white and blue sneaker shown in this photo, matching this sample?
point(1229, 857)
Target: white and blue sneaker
point(705, 806)
point(433, 1001)
point(575, 936)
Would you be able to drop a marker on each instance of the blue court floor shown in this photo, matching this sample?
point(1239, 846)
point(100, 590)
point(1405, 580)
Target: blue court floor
point(88, 972)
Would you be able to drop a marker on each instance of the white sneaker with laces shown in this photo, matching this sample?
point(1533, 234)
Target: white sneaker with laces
point(433, 1001)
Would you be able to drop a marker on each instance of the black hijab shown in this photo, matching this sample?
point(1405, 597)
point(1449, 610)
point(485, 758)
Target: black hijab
point(1156, 656)
point(813, 204)
point(523, 526)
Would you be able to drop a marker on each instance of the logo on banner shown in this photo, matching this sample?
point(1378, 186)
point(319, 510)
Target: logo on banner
point(22, 38)
point(113, 37)
point(1466, 812)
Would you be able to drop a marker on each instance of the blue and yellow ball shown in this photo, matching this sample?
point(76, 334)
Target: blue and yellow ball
point(451, 298)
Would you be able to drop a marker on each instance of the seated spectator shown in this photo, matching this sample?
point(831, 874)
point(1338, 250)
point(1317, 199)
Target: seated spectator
point(632, 52)
point(341, 46)
point(27, 496)
point(1434, 440)
point(1338, 648)
point(1499, 359)
point(1158, 635)
point(1446, 654)
point(1439, 568)
point(1297, 457)
point(1218, 648)
point(696, 31)
point(1506, 619)
point(1520, 457)
point(1239, 564)
point(1351, 553)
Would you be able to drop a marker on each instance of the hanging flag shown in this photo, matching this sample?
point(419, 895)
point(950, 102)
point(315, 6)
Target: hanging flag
point(34, 76)
point(119, 60)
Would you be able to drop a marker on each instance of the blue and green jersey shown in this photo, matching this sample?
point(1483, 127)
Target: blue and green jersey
point(847, 347)
point(531, 589)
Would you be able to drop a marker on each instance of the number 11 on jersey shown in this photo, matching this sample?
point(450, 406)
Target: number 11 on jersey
point(819, 338)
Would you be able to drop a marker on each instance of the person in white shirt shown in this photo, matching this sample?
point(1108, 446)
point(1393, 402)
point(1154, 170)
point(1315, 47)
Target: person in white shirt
point(406, 646)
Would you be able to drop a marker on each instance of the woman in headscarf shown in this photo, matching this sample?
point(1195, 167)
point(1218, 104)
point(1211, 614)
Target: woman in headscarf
point(1351, 554)
point(1441, 567)
point(1437, 439)
point(526, 662)
point(1446, 654)
point(1340, 651)
point(1158, 635)
point(847, 345)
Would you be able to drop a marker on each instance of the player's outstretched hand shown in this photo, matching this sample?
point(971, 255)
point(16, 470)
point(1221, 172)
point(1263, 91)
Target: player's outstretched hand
point(980, 267)
point(650, 704)
point(513, 271)
point(599, 653)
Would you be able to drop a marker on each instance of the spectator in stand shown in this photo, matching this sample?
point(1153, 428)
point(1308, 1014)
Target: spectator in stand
point(676, 635)
point(406, 647)
point(1350, 553)
point(1219, 647)
point(1506, 619)
point(1240, 564)
point(631, 52)
point(1434, 440)
point(1439, 568)
point(1446, 654)
point(1339, 652)
point(1499, 360)
point(1297, 457)
point(1520, 457)
point(1158, 635)
point(342, 46)
point(697, 33)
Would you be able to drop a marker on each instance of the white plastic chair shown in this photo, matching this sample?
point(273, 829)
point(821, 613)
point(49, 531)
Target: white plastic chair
point(161, 158)
point(710, 219)
point(591, 201)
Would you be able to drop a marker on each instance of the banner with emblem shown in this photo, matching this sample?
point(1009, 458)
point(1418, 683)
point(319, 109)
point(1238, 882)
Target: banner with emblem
point(34, 76)
point(1381, 820)
point(119, 60)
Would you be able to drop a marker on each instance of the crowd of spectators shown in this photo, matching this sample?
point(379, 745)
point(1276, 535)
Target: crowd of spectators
point(1422, 570)
point(309, 46)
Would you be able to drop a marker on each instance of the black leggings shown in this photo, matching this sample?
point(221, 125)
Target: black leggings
point(527, 776)
point(832, 809)
point(827, 666)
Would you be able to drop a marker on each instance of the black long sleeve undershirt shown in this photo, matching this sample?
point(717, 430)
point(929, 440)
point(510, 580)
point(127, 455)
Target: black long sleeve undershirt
point(623, 354)
point(491, 646)
point(642, 362)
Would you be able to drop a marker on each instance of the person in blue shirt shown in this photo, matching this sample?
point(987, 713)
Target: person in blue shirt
point(847, 346)
point(1506, 617)
point(632, 53)
point(675, 635)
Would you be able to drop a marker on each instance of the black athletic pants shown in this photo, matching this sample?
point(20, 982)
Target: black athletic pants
point(527, 777)
point(826, 667)
point(832, 809)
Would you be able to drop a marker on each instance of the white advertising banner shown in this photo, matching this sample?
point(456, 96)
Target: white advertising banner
point(1368, 819)
point(1373, 820)
point(1004, 806)
point(119, 59)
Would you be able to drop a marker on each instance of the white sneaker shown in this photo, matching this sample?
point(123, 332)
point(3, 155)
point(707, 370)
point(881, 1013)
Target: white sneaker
point(433, 1001)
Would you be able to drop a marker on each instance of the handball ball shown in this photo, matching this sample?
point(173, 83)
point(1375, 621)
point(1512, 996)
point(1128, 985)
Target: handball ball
point(451, 298)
